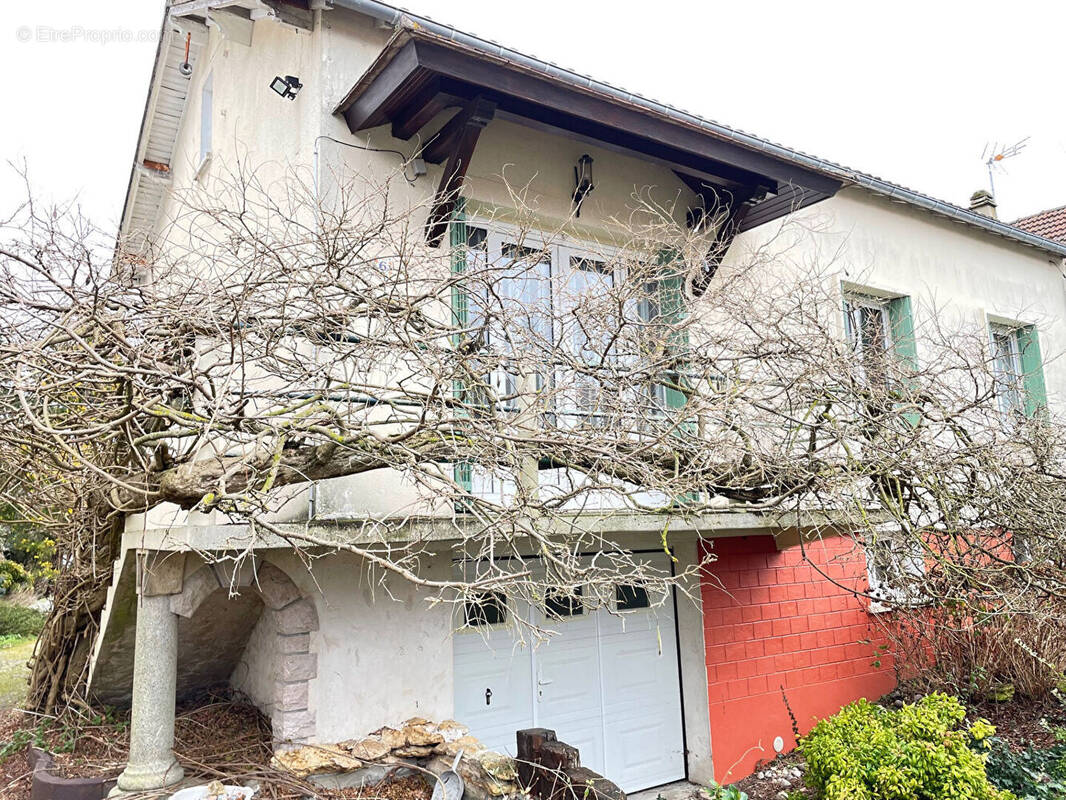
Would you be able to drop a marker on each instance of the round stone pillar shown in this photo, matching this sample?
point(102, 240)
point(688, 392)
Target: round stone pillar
point(155, 669)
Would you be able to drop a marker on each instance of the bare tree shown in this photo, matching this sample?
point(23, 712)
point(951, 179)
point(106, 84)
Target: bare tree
point(265, 344)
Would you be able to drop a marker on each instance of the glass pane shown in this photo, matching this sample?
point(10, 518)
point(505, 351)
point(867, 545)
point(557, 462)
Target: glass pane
point(489, 608)
point(1006, 368)
point(630, 598)
point(558, 605)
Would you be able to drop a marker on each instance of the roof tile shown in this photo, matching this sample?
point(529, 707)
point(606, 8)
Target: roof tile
point(1051, 224)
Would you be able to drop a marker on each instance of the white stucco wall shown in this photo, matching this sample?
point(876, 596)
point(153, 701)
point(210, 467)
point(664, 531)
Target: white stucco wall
point(383, 654)
point(256, 673)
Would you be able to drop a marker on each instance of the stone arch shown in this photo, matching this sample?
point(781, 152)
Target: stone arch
point(295, 617)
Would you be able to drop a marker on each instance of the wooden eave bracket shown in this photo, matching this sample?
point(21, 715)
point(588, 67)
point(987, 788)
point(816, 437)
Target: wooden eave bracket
point(456, 142)
point(737, 206)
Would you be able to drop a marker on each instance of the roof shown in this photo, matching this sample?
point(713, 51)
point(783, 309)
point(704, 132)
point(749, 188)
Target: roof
point(1051, 224)
point(460, 39)
point(165, 106)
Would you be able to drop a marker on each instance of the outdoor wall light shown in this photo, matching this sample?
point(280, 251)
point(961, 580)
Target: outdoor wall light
point(582, 181)
point(289, 86)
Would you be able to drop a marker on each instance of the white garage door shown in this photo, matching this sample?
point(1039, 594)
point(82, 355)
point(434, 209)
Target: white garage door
point(607, 684)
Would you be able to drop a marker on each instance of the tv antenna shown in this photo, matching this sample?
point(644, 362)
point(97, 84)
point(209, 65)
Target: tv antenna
point(995, 154)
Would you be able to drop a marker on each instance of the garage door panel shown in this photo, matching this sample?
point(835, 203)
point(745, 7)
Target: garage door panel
point(607, 683)
point(492, 662)
point(645, 752)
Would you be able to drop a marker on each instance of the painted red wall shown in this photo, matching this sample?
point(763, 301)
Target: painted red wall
point(772, 621)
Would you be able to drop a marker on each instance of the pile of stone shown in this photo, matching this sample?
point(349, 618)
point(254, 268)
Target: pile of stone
point(416, 743)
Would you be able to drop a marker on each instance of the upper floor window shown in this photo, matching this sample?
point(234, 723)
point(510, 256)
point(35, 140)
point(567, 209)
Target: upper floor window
point(1017, 368)
point(876, 328)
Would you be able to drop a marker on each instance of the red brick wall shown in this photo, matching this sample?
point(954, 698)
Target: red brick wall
point(771, 620)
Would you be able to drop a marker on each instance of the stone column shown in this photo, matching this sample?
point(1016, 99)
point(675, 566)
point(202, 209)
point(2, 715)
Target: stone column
point(155, 669)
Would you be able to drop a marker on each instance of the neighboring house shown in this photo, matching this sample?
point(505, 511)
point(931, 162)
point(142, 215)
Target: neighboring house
point(1050, 224)
point(694, 690)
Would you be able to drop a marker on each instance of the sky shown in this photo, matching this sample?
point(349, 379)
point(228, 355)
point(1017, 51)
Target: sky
point(913, 92)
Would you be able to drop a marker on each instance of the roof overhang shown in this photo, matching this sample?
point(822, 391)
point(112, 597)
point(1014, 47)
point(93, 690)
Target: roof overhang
point(418, 75)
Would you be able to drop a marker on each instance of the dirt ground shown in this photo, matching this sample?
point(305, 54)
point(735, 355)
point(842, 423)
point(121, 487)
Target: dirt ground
point(217, 736)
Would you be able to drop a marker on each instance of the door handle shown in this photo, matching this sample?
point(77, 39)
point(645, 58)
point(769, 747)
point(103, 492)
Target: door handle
point(488, 697)
point(542, 682)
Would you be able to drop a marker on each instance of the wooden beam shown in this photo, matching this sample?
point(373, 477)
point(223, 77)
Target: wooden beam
point(441, 144)
point(506, 81)
point(467, 127)
point(423, 107)
point(738, 204)
point(367, 110)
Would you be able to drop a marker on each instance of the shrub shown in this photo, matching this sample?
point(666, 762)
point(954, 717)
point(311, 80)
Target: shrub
point(1032, 774)
point(867, 752)
point(977, 650)
point(20, 621)
point(12, 576)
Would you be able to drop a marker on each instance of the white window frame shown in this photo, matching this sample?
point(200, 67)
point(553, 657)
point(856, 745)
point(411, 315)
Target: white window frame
point(1009, 389)
point(494, 486)
point(883, 595)
point(854, 302)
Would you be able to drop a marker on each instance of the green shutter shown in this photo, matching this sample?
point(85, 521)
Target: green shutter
point(901, 321)
point(1032, 370)
point(671, 290)
point(463, 472)
point(671, 296)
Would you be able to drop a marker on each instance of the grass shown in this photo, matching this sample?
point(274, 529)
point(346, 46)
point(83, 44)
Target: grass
point(14, 653)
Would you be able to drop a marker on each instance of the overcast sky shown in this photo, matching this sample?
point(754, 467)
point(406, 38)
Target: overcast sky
point(909, 91)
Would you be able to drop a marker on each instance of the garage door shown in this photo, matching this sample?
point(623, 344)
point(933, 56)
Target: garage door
point(607, 684)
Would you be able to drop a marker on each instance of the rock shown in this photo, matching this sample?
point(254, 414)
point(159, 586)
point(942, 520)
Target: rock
point(452, 730)
point(796, 773)
point(781, 796)
point(468, 744)
point(1001, 692)
point(761, 775)
point(421, 734)
point(370, 749)
point(498, 766)
point(415, 721)
point(310, 760)
point(782, 783)
point(390, 737)
point(413, 751)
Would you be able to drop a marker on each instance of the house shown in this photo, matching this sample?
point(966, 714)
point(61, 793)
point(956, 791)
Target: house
point(1050, 224)
point(700, 690)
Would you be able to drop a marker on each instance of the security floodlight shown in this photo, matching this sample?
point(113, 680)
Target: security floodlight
point(289, 86)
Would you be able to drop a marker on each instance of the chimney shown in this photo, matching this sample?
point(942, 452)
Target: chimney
point(982, 202)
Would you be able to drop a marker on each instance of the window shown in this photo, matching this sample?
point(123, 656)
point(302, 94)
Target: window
point(205, 119)
point(877, 327)
point(559, 604)
point(631, 598)
point(1007, 369)
point(1017, 369)
point(868, 331)
point(489, 608)
point(894, 563)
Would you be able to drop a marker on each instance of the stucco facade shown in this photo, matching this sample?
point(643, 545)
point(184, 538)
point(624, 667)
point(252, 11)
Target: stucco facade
point(343, 650)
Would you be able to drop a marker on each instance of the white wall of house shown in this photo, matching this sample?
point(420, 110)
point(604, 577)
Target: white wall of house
point(383, 652)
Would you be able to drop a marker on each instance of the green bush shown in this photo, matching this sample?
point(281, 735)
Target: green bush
point(919, 752)
point(12, 576)
point(1033, 773)
point(20, 621)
